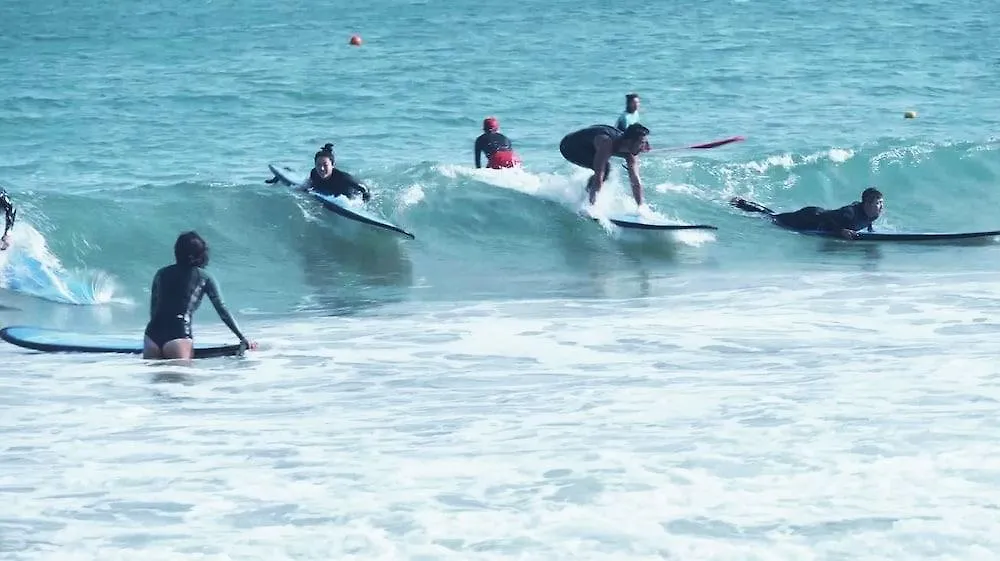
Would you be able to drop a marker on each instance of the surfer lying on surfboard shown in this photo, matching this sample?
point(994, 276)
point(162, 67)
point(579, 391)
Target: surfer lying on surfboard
point(326, 179)
point(845, 221)
point(10, 213)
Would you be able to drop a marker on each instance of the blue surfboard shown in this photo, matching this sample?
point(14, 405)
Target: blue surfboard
point(58, 341)
point(339, 205)
point(911, 236)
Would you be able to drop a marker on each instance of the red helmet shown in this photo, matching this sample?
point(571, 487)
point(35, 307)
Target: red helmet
point(490, 124)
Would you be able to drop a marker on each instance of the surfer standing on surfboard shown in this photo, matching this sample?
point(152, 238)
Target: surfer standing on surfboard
point(593, 147)
point(326, 179)
point(10, 214)
point(497, 147)
point(844, 221)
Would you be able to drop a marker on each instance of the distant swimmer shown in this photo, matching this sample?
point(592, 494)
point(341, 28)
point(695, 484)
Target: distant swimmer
point(326, 179)
point(845, 221)
point(593, 147)
point(631, 114)
point(497, 147)
point(10, 213)
point(176, 293)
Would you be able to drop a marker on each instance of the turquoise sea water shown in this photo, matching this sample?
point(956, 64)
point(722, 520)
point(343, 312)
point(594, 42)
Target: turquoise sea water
point(516, 382)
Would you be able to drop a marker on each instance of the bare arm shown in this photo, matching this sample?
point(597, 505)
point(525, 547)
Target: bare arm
point(632, 164)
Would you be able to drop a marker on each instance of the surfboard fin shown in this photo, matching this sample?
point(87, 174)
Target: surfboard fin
point(272, 180)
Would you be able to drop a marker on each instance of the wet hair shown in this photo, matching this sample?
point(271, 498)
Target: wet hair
point(631, 96)
point(870, 194)
point(326, 152)
point(635, 131)
point(190, 249)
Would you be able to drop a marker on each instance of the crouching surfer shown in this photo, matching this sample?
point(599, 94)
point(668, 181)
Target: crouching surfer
point(593, 147)
point(176, 293)
point(845, 221)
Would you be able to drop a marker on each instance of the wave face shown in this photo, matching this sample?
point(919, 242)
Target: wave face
point(507, 234)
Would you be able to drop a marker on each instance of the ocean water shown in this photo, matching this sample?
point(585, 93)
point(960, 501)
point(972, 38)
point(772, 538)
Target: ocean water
point(517, 382)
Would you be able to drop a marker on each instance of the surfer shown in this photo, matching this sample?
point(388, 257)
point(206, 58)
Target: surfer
point(176, 293)
point(497, 147)
point(326, 179)
point(845, 221)
point(593, 147)
point(10, 214)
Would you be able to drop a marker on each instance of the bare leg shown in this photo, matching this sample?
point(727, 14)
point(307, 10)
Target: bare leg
point(179, 348)
point(150, 349)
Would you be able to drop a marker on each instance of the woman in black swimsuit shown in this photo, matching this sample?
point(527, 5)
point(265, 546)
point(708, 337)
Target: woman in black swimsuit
point(176, 294)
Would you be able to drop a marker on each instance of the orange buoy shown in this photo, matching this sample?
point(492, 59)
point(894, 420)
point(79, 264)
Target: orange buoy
point(356, 40)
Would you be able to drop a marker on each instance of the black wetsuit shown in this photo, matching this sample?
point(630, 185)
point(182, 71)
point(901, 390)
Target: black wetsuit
point(851, 217)
point(10, 213)
point(578, 147)
point(176, 293)
point(491, 143)
point(339, 184)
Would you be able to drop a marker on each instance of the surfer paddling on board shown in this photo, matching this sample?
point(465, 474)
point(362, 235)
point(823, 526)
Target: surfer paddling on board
point(497, 147)
point(326, 179)
point(10, 214)
point(845, 221)
point(175, 295)
point(593, 147)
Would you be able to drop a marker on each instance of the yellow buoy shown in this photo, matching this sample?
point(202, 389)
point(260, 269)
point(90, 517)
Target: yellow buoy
point(910, 115)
